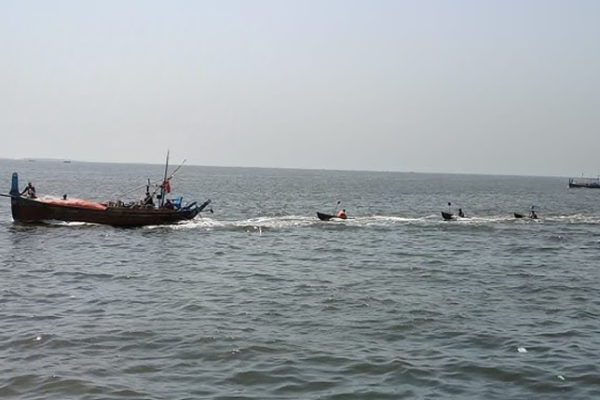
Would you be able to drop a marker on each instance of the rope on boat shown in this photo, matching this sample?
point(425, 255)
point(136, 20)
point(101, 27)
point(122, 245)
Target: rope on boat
point(156, 184)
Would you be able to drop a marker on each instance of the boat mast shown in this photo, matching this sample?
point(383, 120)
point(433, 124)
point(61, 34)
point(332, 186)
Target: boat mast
point(162, 187)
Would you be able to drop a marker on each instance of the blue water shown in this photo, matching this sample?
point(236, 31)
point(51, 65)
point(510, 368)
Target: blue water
point(261, 300)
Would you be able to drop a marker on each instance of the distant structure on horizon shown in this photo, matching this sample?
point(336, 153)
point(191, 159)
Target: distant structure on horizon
point(46, 160)
point(589, 183)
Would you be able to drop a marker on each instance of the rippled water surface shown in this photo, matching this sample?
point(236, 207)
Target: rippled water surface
point(261, 300)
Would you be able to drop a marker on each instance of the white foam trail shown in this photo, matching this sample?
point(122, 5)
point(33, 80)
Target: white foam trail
point(260, 224)
point(66, 223)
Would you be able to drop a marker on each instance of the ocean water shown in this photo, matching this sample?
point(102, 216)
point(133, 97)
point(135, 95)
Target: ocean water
point(261, 300)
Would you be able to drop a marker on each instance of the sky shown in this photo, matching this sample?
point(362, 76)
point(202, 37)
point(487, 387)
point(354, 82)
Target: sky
point(506, 87)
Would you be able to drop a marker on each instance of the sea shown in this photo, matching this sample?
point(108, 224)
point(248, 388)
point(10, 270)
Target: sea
point(261, 300)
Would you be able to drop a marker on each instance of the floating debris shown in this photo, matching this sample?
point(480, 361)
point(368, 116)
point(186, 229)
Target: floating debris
point(522, 350)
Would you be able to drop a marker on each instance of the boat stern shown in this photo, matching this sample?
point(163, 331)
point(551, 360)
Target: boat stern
point(14, 186)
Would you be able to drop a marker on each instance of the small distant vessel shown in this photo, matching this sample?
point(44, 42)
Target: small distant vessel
point(340, 216)
point(327, 217)
point(522, 216)
point(589, 183)
point(449, 216)
point(67, 161)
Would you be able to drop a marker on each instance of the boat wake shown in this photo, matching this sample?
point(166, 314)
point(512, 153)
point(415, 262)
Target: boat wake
point(267, 223)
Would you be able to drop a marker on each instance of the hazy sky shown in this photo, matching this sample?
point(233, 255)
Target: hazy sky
point(481, 86)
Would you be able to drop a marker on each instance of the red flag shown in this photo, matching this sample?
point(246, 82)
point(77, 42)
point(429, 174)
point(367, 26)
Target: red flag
point(168, 186)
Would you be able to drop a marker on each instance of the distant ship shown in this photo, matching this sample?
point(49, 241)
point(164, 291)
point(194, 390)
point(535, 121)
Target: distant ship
point(589, 183)
point(67, 161)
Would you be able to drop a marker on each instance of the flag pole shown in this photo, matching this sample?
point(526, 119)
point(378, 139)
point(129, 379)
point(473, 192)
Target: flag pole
point(162, 187)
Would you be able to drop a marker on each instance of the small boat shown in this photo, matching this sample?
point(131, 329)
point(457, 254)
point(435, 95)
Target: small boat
point(34, 210)
point(518, 216)
point(328, 217)
point(325, 217)
point(448, 216)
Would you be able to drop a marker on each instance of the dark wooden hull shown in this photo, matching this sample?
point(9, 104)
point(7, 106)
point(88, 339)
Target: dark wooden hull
point(517, 215)
point(32, 211)
point(447, 216)
point(325, 217)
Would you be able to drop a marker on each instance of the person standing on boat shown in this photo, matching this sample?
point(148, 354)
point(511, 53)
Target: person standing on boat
point(169, 205)
point(148, 201)
point(461, 213)
point(29, 191)
point(342, 214)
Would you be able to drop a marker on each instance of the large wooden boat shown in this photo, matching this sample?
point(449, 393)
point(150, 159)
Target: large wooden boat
point(34, 210)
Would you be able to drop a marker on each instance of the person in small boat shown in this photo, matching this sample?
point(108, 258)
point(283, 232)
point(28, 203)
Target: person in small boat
point(342, 214)
point(533, 215)
point(461, 213)
point(29, 191)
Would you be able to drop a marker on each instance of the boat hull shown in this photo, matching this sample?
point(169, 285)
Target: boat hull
point(34, 211)
point(325, 217)
point(447, 216)
point(521, 216)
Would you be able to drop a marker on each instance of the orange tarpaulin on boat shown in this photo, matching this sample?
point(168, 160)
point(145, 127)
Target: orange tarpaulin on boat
point(92, 205)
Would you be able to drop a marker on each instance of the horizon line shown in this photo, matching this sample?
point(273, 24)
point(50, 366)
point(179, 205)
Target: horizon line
point(70, 160)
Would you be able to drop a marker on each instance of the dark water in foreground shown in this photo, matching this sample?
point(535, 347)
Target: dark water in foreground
point(260, 300)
